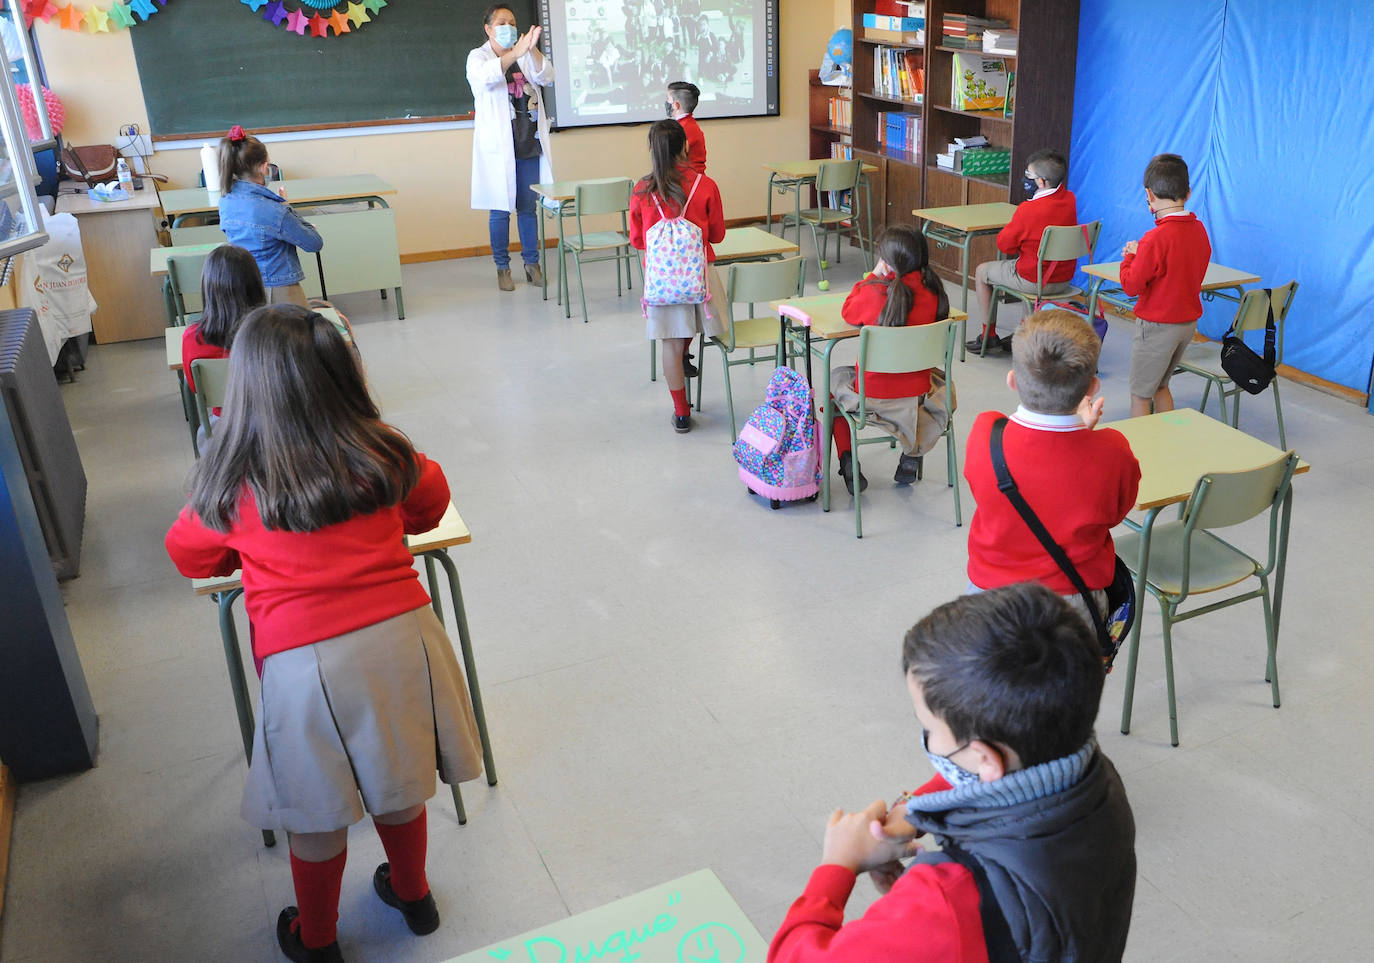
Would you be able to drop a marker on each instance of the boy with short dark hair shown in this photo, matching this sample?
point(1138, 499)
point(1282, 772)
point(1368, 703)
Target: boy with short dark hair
point(682, 100)
point(1080, 483)
point(1164, 272)
point(1049, 204)
point(1037, 837)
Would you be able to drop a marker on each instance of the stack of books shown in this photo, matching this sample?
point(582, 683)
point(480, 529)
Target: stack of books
point(979, 83)
point(841, 113)
point(999, 41)
point(895, 29)
point(900, 132)
point(841, 151)
point(897, 73)
point(963, 30)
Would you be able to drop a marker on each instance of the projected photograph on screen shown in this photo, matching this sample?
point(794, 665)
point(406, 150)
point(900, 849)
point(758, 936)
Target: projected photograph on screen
point(615, 60)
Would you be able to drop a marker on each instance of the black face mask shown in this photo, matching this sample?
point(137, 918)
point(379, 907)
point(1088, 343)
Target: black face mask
point(1028, 185)
point(669, 108)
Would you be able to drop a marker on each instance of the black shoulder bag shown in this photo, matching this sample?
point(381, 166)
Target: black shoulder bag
point(1247, 369)
point(1120, 594)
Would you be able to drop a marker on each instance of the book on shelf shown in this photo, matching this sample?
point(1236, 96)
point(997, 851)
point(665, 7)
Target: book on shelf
point(979, 83)
point(962, 30)
point(898, 131)
point(840, 151)
point(897, 73)
point(1009, 107)
point(894, 23)
point(914, 8)
point(999, 41)
point(841, 112)
point(917, 37)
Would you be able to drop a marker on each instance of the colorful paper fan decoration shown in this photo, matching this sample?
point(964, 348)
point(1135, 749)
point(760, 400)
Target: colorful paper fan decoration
point(57, 114)
point(323, 16)
point(92, 19)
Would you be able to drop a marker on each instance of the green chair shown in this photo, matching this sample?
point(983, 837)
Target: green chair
point(751, 283)
point(1065, 243)
point(835, 179)
point(211, 376)
point(1186, 559)
point(1204, 358)
point(183, 281)
point(595, 198)
point(896, 350)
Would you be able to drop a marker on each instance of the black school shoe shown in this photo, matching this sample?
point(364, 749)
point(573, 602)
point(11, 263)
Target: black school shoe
point(289, 939)
point(908, 470)
point(682, 424)
point(847, 473)
point(421, 915)
point(688, 369)
point(996, 345)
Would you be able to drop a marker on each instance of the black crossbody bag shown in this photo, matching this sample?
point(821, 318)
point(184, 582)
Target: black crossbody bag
point(1247, 369)
point(1120, 594)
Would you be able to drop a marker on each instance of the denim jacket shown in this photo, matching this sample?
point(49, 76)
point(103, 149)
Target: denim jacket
point(256, 218)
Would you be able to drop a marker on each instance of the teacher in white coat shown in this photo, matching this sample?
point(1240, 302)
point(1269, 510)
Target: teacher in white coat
point(510, 137)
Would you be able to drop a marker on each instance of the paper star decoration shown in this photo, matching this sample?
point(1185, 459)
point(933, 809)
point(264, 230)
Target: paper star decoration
point(144, 8)
point(122, 15)
point(340, 24)
point(43, 10)
point(357, 14)
point(319, 27)
point(297, 21)
point(254, 5)
point(276, 12)
point(71, 17)
point(97, 20)
point(374, 5)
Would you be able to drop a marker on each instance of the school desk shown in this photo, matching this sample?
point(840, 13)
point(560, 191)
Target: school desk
point(752, 244)
point(1175, 449)
point(360, 253)
point(114, 237)
point(817, 318)
point(958, 226)
point(1216, 283)
point(197, 203)
point(795, 176)
point(556, 200)
point(433, 546)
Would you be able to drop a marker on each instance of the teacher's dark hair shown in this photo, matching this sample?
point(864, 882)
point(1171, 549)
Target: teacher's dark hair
point(230, 286)
point(667, 141)
point(494, 9)
point(299, 431)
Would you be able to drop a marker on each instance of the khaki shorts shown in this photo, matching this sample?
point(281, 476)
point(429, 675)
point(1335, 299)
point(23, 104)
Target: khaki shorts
point(1005, 274)
point(1155, 351)
point(288, 294)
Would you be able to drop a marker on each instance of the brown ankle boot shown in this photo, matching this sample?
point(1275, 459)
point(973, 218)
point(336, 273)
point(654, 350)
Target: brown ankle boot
point(503, 280)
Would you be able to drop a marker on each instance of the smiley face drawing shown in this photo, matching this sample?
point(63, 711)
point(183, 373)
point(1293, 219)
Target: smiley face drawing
point(711, 943)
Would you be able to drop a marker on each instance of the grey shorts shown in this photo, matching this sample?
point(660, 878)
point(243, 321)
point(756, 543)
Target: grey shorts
point(1005, 274)
point(1155, 351)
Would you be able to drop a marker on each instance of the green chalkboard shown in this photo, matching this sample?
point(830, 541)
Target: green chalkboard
point(205, 66)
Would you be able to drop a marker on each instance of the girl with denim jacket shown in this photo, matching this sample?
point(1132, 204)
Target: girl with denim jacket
point(259, 219)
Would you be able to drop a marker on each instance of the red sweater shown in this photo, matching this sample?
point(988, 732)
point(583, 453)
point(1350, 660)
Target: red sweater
point(930, 914)
point(1080, 483)
point(192, 348)
point(865, 306)
point(1022, 235)
point(705, 211)
point(696, 143)
point(1165, 273)
point(304, 587)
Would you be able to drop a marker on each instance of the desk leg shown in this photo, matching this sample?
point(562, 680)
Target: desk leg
point(433, 581)
point(400, 305)
point(460, 617)
point(1281, 567)
point(1142, 564)
point(543, 259)
point(238, 681)
point(768, 217)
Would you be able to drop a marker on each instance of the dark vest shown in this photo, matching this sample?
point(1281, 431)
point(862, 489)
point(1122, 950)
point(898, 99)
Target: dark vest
point(1056, 874)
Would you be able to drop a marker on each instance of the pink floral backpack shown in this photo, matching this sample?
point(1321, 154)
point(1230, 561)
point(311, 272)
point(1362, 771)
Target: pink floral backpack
point(674, 259)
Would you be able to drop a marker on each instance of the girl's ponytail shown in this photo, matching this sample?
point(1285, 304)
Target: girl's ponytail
point(240, 155)
point(904, 249)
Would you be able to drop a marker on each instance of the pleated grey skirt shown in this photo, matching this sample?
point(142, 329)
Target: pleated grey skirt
point(360, 722)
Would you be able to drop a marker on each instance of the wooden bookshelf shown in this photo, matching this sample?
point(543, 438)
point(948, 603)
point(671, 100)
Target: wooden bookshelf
point(1043, 114)
point(824, 134)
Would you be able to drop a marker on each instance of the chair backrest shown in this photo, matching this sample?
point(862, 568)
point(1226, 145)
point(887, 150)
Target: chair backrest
point(1222, 499)
point(756, 281)
point(608, 195)
point(1253, 313)
point(211, 376)
point(183, 271)
point(1069, 242)
point(912, 347)
point(838, 175)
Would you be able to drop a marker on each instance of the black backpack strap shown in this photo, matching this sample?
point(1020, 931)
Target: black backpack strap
point(1007, 485)
point(1270, 330)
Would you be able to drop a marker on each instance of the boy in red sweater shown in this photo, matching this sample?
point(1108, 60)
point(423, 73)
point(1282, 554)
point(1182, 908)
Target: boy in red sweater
point(1049, 204)
point(1164, 271)
point(1079, 482)
point(1037, 837)
point(682, 100)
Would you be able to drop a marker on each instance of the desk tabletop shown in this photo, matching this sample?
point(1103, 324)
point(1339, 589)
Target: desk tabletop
point(157, 257)
point(1217, 276)
point(567, 190)
point(174, 335)
point(809, 168)
point(1176, 448)
point(82, 203)
point(304, 190)
point(970, 217)
point(824, 311)
point(752, 242)
point(450, 531)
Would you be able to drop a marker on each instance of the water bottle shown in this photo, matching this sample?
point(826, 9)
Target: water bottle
point(126, 179)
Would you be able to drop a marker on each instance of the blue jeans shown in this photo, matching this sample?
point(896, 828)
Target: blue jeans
point(498, 222)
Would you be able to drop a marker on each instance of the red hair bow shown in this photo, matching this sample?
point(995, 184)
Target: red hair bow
point(236, 133)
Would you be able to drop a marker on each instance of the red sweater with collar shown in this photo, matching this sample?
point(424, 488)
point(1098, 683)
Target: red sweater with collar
point(1080, 484)
point(864, 305)
point(1022, 234)
point(304, 587)
point(930, 914)
point(705, 211)
point(194, 349)
point(696, 143)
point(1165, 273)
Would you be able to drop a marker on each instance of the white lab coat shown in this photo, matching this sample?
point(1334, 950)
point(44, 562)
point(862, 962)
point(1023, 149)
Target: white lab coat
point(493, 144)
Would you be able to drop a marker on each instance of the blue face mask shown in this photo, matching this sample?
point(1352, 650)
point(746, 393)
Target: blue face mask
point(953, 774)
point(506, 34)
point(1028, 185)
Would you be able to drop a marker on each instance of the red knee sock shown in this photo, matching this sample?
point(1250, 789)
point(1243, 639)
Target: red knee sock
point(317, 898)
point(405, 850)
point(839, 431)
point(680, 403)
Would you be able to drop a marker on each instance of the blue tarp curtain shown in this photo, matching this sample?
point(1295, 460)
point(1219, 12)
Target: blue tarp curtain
point(1270, 105)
